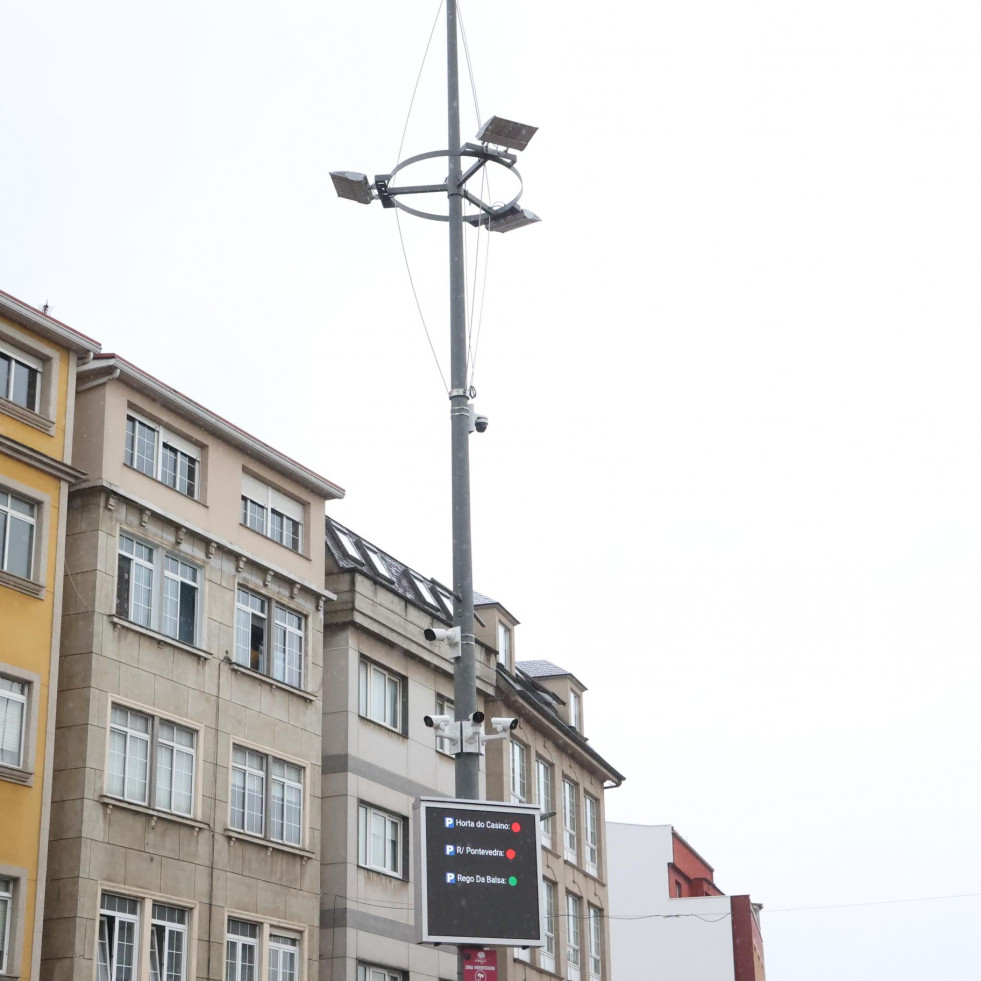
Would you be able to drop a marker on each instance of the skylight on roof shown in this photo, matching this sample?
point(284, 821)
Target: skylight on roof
point(377, 562)
point(446, 599)
point(348, 542)
point(425, 590)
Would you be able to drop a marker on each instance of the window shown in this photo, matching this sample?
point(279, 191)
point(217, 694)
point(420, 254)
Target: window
point(368, 972)
point(119, 957)
point(162, 455)
point(261, 785)
point(378, 562)
point(425, 590)
point(20, 378)
point(344, 537)
point(519, 772)
point(575, 711)
point(251, 629)
point(380, 695)
point(570, 820)
point(13, 721)
point(379, 840)
point(175, 612)
point(573, 912)
point(168, 943)
point(504, 644)
point(241, 951)
point(595, 942)
point(678, 891)
point(547, 953)
point(18, 521)
point(271, 513)
point(592, 834)
point(444, 706)
point(283, 955)
point(6, 915)
point(543, 778)
point(128, 774)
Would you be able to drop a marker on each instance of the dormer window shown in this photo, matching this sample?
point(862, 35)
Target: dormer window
point(348, 544)
point(376, 560)
point(504, 644)
point(271, 513)
point(425, 590)
point(575, 711)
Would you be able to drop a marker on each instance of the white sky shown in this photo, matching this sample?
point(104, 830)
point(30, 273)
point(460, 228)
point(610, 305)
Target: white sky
point(732, 477)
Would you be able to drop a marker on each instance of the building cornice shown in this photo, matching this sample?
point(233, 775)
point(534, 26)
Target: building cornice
point(35, 458)
point(49, 328)
point(108, 367)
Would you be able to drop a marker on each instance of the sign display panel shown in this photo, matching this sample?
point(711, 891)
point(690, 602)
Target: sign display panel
point(479, 873)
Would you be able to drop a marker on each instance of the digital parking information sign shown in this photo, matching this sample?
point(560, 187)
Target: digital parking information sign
point(478, 873)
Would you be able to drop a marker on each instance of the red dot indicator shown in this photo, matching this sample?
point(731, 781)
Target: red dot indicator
point(511, 853)
point(515, 827)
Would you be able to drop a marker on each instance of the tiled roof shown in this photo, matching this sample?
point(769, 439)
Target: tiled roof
point(540, 669)
point(479, 599)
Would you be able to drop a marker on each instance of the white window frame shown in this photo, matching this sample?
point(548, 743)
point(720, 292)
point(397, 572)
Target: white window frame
point(445, 706)
point(110, 968)
point(167, 937)
point(8, 515)
point(240, 941)
point(519, 772)
point(370, 677)
point(262, 504)
point(17, 356)
point(260, 767)
point(9, 698)
point(573, 953)
point(149, 920)
point(545, 789)
point(393, 826)
point(377, 562)
point(570, 820)
point(284, 957)
point(283, 630)
point(575, 710)
point(157, 746)
point(7, 887)
point(147, 610)
point(504, 638)
point(425, 590)
point(546, 955)
point(183, 449)
point(373, 972)
point(591, 833)
point(594, 938)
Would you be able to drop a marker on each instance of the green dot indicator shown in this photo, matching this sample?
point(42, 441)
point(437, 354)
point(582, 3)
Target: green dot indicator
point(512, 880)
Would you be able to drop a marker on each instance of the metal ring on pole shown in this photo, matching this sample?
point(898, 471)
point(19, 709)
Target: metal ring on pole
point(487, 157)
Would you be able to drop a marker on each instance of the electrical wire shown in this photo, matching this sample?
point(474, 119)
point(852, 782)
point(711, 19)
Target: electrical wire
point(398, 221)
point(466, 52)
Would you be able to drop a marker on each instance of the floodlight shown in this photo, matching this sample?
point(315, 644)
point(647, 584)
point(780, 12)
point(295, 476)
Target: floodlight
point(354, 187)
point(503, 221)
point(506, 132)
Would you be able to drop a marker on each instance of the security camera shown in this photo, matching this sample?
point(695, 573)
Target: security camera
point(477, 718)
point(436, 721)
point(439, 633)
point(481, 423)
point(504, 723)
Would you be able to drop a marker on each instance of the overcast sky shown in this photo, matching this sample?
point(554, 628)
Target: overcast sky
point(732, 474)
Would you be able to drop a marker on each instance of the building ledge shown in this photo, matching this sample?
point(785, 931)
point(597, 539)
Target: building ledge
point(272, 682)
point(161, 639)
point(22, 585)
point(154, 814)
point(235, 835)
point(14, 774)
point(45, 425)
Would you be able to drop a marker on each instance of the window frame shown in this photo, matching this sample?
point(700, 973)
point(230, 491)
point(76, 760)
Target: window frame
point(164, 439)
point(268, 936)
point(518, 765)
point(8, 515)
point(23, 346)
point(155, 723)
point(505, 637)
point(159, 577)
point(547, 953)
point(275, 651)
point(23, 770)
point(575, 710)
point(369, 972)
point(546, 799)
point(366, 815)
point(570, 820)
point(267, 816)
point(8, 887)
point(445, 706)
point(146, 923)
point(594, 941)
point(260, 499)
point(169, 929)
point(368, 670)
point(591, 833)
point(33, 364)
point(573, 948)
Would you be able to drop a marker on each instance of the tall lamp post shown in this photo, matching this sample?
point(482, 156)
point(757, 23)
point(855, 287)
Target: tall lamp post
point(496, 137)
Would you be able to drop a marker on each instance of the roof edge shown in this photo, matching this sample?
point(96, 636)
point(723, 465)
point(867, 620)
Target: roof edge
point(54, 330)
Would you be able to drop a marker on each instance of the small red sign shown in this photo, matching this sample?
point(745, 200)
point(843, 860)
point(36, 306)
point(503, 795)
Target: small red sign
point(479, 965)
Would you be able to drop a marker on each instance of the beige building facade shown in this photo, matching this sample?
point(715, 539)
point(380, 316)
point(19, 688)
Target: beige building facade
point(185, 826)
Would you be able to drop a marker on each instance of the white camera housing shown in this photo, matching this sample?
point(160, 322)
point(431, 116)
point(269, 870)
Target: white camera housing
point(505, 723)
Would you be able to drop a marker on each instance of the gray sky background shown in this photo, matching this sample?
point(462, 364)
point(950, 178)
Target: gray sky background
point(732, 476)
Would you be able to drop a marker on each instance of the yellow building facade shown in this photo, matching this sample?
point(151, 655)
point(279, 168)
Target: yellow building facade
point(38, 361)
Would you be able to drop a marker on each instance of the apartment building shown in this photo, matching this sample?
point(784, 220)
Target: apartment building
point(382, 678)
point(185, 834)
point(671, 919)
point(39, 358)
